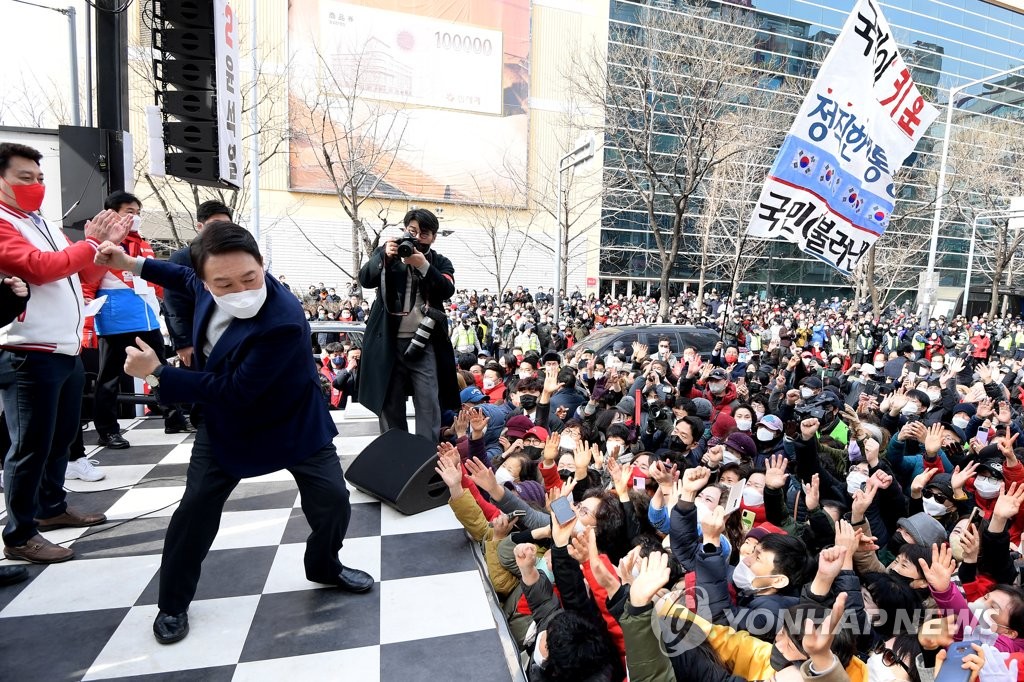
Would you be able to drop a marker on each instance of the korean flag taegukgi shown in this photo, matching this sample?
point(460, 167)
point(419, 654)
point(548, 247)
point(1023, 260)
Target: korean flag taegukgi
point(830, 188)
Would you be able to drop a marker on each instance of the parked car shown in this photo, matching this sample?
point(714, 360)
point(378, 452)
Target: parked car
point(329, 331)
point(679, 336)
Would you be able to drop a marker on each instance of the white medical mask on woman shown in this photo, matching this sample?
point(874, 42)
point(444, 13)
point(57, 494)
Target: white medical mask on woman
point(878, 671)
point(752, 497)
point(744, 424)
point(961, 422)
point(986, 488)
point(242, 304)
point(933, 507)
point(503, 476)
point(764, 435)
point(855, 481)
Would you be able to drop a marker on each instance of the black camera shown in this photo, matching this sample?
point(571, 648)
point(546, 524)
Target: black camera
point(810, 410)
point(407, 245)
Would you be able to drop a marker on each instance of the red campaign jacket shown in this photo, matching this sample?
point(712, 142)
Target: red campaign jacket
point(327, 370)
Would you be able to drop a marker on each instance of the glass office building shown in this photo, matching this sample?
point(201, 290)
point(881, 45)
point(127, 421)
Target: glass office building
point(945, 42)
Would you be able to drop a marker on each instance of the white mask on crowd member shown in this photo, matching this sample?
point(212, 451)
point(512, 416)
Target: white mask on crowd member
point(960, 422)
point(855, 481)
point(744, 424)
point(242, 304)
point(910, 409)
point(986, 488)
point(752, 497)
point(503, 476)
point(136, 223)
point(933, 507)
point(806, 392)
point(934, 395)
point(764, 435)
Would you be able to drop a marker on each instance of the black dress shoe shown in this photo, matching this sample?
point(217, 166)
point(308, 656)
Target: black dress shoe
point(10, 575)
point(353, 580)
point(187, 428)
point(169, 629)
point(114, 442)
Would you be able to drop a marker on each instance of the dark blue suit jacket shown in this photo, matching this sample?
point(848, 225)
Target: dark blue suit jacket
point(262, 403)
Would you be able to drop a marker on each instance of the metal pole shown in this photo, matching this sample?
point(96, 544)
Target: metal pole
point(970, 251)
point(88, 66)
point(76, 105)
point(557, 298)
point(941, 187)
point(254, 171)
point(970, 265)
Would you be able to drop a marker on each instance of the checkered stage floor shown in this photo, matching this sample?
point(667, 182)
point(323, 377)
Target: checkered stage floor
point(430, 616)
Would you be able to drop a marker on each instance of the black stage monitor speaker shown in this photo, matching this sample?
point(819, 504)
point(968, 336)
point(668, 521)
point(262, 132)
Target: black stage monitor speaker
point(398, 469)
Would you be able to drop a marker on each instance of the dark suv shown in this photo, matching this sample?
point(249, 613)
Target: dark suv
point(679, 336)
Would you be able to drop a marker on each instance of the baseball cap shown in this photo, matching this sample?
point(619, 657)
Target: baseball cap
point(472, 394)
point(718, 374)
point(518, 426)
point(538, 432)
point(867, 368)
point(772, 422)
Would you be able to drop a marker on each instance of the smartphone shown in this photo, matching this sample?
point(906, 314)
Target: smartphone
point(982, 437)
point(951, 670)
point(747, 519)
point(562, 509)
point(520, 513)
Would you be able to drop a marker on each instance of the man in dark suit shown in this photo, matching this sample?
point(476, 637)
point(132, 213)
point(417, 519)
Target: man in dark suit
point(180, 307)
point(412, 292)
point(263, 411)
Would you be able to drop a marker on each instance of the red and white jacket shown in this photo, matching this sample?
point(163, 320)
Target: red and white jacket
point(41, 254)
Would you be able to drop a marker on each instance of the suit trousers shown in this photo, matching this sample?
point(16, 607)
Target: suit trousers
point(194, 525)
point(422, 374)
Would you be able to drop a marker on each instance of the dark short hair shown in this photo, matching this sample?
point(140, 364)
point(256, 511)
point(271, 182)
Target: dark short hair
point(115, 200)
point(220, 237)
point(208, 209)
point(424, 218)
point(9, 150)
point(530, 384)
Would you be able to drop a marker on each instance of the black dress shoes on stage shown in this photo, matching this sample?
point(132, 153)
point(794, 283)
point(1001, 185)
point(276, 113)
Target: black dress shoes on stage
point(169, 629)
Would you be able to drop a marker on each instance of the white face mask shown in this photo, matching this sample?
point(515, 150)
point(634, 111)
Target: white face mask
point(764, 435)
point(578, 528)
point(752, 497)
point(806, 393)
point(744, 424)
point(878, 671)
point(242, 304)
point(961, 422)
point(490, 383)
point(598, 375)
point(923, 372)
point(986, 488)
point(855, 481)
point(742, 576)
point(933, 507)
point(934, 396)
point(937, 366)
point(730, 458)
point(136, 223)
point(879, 364)
point(567, 443)
point(503, 476)
point(910, 409)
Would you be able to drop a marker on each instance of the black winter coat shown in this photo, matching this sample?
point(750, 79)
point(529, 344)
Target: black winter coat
point(381, 336)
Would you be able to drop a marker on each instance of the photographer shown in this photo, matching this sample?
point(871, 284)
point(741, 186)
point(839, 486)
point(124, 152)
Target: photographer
point(406, 341)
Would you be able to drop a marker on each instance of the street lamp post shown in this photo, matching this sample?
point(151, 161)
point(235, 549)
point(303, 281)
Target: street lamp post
point(583, 152)
point(1018, 213)
point(941, 187)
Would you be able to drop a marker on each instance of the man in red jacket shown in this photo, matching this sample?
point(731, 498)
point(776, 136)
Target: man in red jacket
point(41, 375)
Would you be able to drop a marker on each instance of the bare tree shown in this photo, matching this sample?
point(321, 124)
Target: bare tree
point(666, 88)
point(986, 164)
point(504, 222)
point(352, 138)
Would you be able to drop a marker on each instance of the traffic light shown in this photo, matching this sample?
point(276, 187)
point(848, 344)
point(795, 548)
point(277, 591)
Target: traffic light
point(197, 68)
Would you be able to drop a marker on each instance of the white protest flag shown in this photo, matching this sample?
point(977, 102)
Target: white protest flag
point(830, 189)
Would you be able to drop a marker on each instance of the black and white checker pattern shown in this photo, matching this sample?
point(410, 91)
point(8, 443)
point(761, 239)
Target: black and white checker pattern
point(255, 617)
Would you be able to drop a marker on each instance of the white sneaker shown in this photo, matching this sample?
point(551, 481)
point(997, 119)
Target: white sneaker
point(84, 469)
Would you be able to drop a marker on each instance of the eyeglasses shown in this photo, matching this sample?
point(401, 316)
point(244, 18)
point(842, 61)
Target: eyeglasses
point(938, 497)
point(582, 511)
point(889, 658)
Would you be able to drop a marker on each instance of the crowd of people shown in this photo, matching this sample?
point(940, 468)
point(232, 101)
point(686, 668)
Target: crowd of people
point(827, 494)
